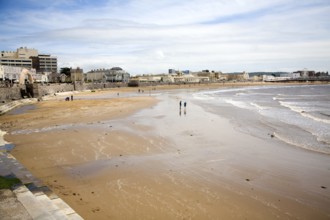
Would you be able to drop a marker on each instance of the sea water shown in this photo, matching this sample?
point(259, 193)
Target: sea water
point(298, 115)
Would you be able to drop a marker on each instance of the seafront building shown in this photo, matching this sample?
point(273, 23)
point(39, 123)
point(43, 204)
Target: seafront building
point(21, 57)
point(12, 74)
point(39, 65)
point(115, 74)
point(76, 74)
point(299, 75)
point(43, 68)
point(44, 63)
point(187, 76)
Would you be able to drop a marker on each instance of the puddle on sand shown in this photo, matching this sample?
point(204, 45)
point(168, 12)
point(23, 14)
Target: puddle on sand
point(7, 147)
point(22, 109)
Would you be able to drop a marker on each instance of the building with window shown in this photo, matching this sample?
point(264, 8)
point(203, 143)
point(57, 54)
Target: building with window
point(115, 74)
point(12, 74)
point(44, 63)
point(29, 58)
point(27, 63)
point(76, 74)
point(18, 58)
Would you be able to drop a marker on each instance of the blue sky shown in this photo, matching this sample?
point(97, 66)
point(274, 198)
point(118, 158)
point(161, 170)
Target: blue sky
point(147, 36)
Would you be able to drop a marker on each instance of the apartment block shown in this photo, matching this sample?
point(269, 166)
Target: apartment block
point(29, 58)
point(44, 63)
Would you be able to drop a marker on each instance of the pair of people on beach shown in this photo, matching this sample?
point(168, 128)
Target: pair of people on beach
point(184, 104)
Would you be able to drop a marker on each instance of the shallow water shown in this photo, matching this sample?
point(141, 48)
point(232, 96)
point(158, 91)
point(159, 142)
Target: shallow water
point(7, 147)
point(298, 115)
point(21, 109)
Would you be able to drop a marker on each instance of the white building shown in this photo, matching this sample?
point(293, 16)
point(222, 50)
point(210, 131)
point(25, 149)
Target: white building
point(115, 74)
point(294, 75)
point(13, 73)
point(189, 78)
point(10, 72)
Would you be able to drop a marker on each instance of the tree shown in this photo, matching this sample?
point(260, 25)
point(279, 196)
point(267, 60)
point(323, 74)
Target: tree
point(66, 71)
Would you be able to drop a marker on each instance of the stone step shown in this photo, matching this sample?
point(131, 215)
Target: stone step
point(64, 207)
point(41, 207)
point(4, 166)
point(35, 208)
point(34, 199)
point(53, 209)
point(10, 207)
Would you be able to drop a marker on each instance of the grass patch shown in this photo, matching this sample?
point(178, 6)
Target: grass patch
point(7, 183)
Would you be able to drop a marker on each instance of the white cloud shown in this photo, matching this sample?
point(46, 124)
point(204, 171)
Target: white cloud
point(152, 36)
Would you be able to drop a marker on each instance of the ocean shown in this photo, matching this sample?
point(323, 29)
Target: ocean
point(298, 115)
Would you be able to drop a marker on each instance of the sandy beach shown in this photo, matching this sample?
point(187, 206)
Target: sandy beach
point(120, 154)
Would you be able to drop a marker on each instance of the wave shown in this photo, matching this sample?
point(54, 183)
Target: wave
point(259, 107)
point(238, 104)
point(303, 112)
point(203, 96)
point(316, 118)
point(320, 148)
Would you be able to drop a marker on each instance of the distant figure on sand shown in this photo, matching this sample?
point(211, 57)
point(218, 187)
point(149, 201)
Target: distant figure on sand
point(71, 97)
point(180, 104)
point(185, 105)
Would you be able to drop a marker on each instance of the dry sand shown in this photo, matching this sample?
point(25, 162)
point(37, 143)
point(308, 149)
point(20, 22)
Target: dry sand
point(109, 164)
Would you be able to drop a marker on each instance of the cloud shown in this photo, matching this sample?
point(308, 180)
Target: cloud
point(152, 36)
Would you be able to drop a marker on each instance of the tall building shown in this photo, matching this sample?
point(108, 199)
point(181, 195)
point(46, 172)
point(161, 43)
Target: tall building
point(27, 63)
point(19, 58)
point(29, 58)
point(44, 63)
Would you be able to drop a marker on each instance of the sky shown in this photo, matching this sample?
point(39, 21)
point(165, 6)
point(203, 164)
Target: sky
point(148, 36)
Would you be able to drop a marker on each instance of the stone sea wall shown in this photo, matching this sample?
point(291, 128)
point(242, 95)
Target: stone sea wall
point(12, 93)
point(39, 90)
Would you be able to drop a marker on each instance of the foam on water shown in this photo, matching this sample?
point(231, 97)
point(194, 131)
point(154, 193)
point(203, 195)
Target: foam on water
point(304, 111)
point(259, 107)
point(298, 115)
point(239, 104)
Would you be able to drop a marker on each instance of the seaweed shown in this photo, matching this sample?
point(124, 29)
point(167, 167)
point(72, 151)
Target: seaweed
point(8, 182)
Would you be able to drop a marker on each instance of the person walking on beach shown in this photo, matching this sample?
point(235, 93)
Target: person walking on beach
point(185, 106)
point(180, 103)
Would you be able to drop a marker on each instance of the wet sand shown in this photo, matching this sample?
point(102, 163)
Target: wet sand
point(137, 157)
